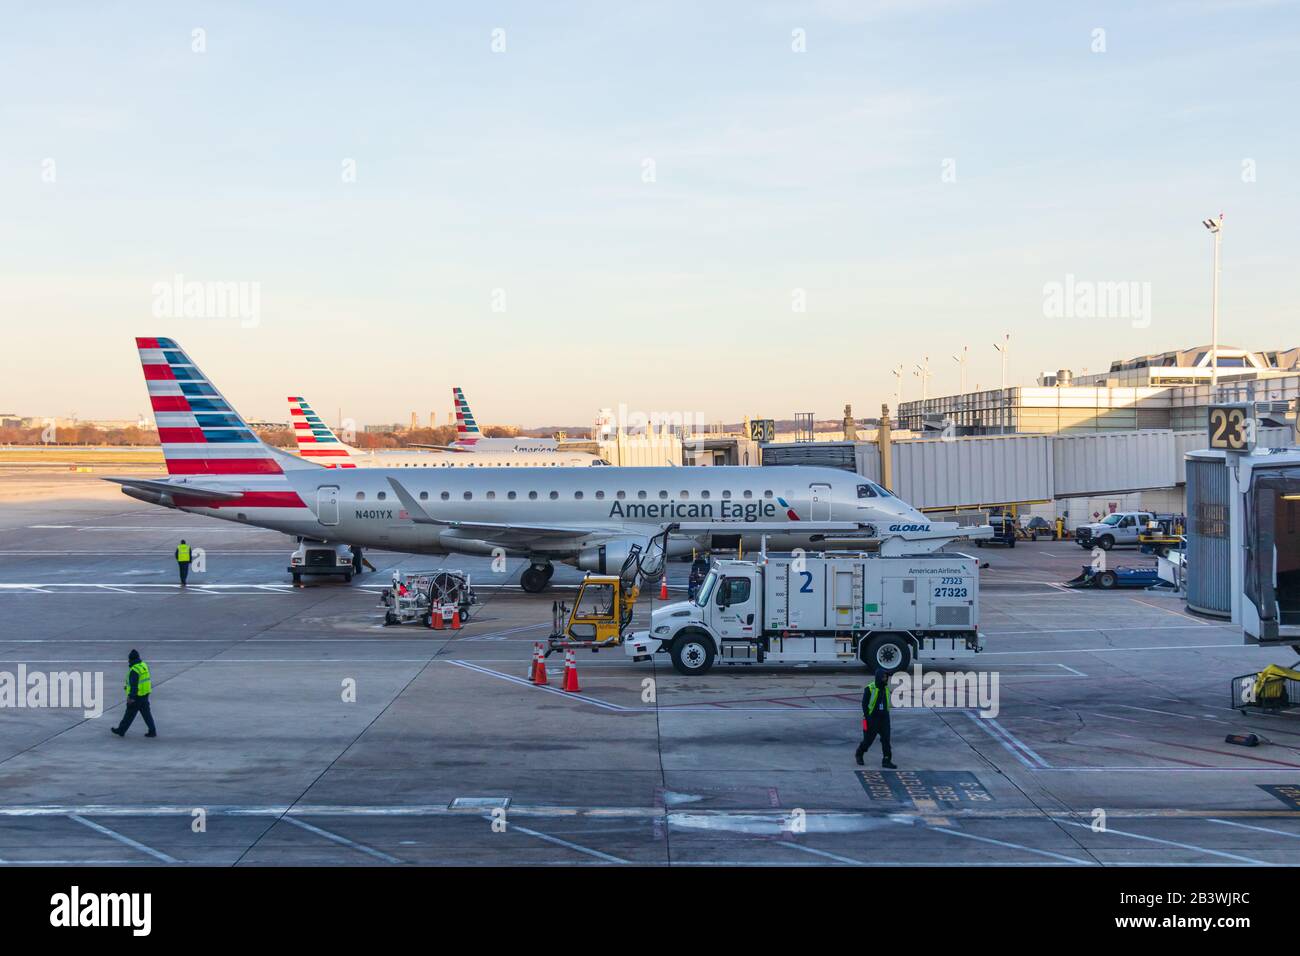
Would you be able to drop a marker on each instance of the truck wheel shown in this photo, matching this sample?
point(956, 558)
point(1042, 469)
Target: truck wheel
point(692, 653)
point(1107, 580)
point(464, 615)
point(1106, 542)
point(389, 619)
point(888, 652)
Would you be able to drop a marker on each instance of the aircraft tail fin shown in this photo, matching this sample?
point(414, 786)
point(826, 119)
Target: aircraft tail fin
point(316, 440)
point(467, 432)
point(200, 432)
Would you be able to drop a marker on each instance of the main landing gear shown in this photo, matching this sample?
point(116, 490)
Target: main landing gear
point(536, 577)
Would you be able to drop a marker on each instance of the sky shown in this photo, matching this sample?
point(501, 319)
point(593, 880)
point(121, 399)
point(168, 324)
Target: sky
point(714, 210)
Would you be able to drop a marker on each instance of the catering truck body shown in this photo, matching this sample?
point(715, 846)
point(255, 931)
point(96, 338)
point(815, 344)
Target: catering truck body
point(823, 609)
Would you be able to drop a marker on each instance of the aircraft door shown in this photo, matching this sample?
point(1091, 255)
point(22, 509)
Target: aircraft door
point(327, 504)
point(819, 502)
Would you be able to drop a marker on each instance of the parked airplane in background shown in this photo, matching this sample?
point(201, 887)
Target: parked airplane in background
point(317, 442)
point(469, 440)
point(587, 517)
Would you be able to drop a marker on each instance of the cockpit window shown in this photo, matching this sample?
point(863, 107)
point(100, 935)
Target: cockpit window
point(865, 491)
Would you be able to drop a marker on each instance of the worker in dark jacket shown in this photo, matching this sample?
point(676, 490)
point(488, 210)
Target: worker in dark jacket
point(699, 571)
point(183, 560)
point(138, 687)
point(875, 719)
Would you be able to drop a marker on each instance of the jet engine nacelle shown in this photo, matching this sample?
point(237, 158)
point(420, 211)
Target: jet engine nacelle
point(607, 558)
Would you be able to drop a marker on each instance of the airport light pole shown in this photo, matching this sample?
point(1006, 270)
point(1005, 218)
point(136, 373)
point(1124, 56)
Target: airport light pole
point(898, 392)
point(1004, 412)
point(1216, 229)
point(961, 364)
point(1004, 347)
point(923, 372)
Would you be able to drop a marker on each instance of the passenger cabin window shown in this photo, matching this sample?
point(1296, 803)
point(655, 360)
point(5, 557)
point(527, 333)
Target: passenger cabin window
point(382, 495)
point(767, 494)
point(511, 495)
point(600, 494)
point(468, 495)
point(663, 494)
point(748, 494)
point(424, 496)
point(641, 495)
point(444, 496)
point(491, 495)
point(361, 496)
point(704, 494)
point(554, 495)
point(577, 495)
point(621, 495)
point(532, 496)
point(726, 493)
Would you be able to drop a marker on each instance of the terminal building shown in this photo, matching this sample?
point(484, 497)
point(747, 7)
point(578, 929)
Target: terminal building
point(1167, 390)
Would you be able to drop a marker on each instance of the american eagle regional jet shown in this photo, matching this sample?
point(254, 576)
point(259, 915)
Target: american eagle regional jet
point(587, 517)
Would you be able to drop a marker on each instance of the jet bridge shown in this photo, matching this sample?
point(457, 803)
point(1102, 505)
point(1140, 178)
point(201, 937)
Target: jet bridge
point(1266, 558)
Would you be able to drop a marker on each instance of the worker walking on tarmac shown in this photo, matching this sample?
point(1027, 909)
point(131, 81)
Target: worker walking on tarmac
point(875, 720)
point(183, 560)
point(138, 686)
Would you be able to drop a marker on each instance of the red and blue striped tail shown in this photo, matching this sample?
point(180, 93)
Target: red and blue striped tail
point(316, 441)
point(200, 432)
point(467, 432)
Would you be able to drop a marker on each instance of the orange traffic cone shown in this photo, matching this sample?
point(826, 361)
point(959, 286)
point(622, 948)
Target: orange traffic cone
point(571, 673)
point(532, 661)
point(435, 618)
point(663, 586)
point(455, 619)
point(539, 666)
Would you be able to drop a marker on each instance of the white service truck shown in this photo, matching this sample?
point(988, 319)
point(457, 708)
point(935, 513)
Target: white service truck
point(825, 609)
point(1121, 527)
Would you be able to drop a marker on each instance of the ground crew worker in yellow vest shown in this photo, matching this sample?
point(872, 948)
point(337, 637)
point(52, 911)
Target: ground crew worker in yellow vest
point(875, 720)
point(138, 686)
point(183, 560)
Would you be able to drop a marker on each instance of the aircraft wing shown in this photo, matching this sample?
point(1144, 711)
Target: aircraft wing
point(463, 451)
point(174, 488)
point(490, 530)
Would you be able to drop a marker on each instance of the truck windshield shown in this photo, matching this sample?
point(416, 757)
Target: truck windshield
point(706, 588)
point(1112, 519)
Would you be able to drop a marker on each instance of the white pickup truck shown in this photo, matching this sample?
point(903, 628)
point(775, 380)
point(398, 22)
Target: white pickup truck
point(1122, 527)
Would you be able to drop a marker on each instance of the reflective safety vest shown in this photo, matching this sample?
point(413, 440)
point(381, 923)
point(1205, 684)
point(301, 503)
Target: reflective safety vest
point(143, 685)
point(871, 701)
point(182, 552)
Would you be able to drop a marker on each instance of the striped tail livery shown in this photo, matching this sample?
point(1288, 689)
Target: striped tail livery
point(316, 441)
point(467, 432)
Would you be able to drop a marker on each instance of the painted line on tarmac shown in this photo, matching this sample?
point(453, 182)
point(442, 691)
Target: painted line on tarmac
point(1013, 744)
point(342, 840)
point(120, 838)
point(1185, 846)
point(1014, 846)
point(830, 856)
point(1247, 826)
point(565, 843)
point(1092, 630)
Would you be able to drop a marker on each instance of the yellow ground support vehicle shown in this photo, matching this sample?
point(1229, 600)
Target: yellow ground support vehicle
point(603, 607)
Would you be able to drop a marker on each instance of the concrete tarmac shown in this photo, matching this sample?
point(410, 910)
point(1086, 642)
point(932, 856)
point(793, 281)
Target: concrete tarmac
point(1108, 747)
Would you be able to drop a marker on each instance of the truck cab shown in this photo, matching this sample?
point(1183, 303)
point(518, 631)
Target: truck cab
point(1122, 527)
